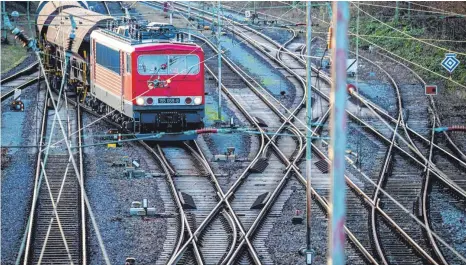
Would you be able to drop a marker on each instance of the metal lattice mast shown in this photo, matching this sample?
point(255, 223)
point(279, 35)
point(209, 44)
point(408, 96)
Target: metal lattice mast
point(338, 134)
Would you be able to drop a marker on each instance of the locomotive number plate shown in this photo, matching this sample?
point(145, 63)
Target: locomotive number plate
point(169, 100)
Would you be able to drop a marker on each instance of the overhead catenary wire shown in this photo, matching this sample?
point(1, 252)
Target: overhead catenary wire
point(406, 60)
point(434, 8)
point(406, 34)
point(445, 13)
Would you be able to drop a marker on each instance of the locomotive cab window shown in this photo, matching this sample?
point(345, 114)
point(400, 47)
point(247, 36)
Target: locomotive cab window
point(168, 64)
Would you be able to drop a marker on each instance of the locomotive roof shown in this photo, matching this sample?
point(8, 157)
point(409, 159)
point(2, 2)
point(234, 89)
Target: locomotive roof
point(86, 20)
point(119, 42)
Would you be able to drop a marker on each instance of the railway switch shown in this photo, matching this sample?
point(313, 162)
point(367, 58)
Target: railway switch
point(141, 209)
point(229, 155)
point(259, 203)
point(130, 261)
point(132, 169)
point(187, 201)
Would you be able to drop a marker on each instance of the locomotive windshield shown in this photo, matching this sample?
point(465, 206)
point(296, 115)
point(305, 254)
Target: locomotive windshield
point(168, 64)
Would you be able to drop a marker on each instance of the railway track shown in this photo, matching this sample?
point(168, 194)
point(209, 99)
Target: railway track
point(290, 152)
point(20, 80)
point(414, 195)
point(56, 228)
point(285, 178)
point(195, 181)
point(428, 209)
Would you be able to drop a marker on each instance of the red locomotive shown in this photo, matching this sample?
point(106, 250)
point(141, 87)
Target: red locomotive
point(149, 85)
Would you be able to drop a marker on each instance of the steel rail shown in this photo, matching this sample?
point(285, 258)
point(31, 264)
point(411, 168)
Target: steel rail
point(358, 244)
point(235, 235)
point(393, 120)
point(424, 195)
point(404, 125)
point(424, 191)
point(462, 161)
point(170, 180)
point(159, 158)
point(10, 92)
point(240, 179)
point(388, 159)
point(389, 219)
point(83, 204)
point(43, 130)
point(202, 159)
point(28, 70)
point(375, 199)
point(418, 248)
point(406, 235)
point(438, 173)
point(42, 174)
point(168, 173)
point(423, 188)
point(83, 222)
point(282, 118)
point(295, 168)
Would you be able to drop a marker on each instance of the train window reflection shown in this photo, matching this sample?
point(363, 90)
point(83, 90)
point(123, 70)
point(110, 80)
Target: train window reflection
point(168, 64)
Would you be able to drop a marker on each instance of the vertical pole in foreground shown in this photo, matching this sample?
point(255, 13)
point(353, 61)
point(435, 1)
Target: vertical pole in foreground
point(338, 134)
point(396, 11)
point(308, 131)
point(219, 114)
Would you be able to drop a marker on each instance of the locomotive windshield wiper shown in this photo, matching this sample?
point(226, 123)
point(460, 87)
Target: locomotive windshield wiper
point(187, 73)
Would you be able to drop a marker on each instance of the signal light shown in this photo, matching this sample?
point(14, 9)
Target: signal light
point(188, 100)
point(149, 101)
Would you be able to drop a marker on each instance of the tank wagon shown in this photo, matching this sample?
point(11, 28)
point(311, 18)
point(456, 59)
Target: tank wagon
point(148, 83)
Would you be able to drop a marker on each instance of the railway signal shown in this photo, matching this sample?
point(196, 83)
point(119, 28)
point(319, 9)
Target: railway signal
point(431, 89)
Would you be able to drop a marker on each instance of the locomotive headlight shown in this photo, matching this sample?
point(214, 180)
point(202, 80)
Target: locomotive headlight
point(140, 101)
point(198, 100)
